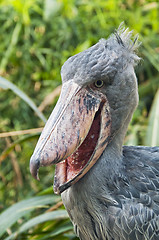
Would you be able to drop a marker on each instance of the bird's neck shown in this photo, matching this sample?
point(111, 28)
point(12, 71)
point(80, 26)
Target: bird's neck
point(118, 138)
point(83, 199)
point(110, 162)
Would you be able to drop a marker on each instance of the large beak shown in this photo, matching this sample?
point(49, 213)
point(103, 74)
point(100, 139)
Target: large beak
point(74, 136)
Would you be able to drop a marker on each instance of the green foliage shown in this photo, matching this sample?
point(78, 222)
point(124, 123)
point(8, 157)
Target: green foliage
point(45, 220)
point(152, 136)
point(36, 38)
point(5, 84)
point(21, 209)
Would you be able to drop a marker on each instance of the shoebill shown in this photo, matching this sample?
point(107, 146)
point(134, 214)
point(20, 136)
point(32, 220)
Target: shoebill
point(111, 191)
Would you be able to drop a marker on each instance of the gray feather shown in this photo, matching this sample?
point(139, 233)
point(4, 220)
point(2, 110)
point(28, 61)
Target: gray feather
point(103, 59)
point(118, 199)
point(112, 211)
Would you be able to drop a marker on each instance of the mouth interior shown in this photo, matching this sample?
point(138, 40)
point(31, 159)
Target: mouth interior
point(71, 166)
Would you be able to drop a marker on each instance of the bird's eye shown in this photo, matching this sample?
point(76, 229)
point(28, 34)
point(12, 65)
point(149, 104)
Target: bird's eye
point(99, 83)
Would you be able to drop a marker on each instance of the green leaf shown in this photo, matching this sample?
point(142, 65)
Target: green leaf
point(152, 136)
point(55, 215)
point(5, 84)
point(59, 230)
point(20, 209)
point(13, 42)
point(45, 191)
point(19, 141)
point(131, 138)
point(50, 216)
point(51, 7)
point(151, 54)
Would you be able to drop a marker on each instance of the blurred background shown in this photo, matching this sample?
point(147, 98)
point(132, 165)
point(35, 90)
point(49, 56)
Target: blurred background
point(36, 38)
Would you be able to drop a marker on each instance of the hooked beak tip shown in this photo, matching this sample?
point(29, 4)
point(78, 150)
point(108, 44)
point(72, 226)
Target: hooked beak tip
point(34, 167)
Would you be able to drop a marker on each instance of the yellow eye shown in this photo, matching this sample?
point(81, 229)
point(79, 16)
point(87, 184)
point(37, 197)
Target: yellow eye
point(99, 83)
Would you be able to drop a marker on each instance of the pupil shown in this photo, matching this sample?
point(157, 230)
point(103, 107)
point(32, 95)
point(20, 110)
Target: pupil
point(99, 83)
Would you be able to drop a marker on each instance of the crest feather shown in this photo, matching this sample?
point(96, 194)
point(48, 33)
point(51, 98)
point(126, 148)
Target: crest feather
point(124, 37)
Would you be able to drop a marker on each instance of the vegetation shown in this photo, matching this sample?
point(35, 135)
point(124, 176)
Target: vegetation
point(36, 38)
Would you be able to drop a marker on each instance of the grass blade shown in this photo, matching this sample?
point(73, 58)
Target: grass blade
point(152, 136)
point(5, 84)
point(19, 141)
point(14, 40)
point(58, 230)
point(50, 216)
point(20, 209)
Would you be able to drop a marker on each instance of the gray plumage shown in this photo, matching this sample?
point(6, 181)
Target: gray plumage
point(102, 60)
point(118, 204)
point(112, 192)
point(118, 199)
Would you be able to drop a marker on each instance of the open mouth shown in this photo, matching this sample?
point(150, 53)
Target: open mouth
point(74, 136)
point(67, 170)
